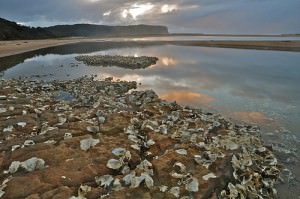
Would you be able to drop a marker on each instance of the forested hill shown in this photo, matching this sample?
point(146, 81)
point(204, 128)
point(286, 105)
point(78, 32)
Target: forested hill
point(88, 30)
point(11, 30)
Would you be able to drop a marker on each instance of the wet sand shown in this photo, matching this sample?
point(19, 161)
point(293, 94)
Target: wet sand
point(259, 45)
point(8, 48)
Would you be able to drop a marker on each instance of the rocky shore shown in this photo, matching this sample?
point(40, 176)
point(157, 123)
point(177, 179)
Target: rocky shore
point(130, 62)
point(101, 139)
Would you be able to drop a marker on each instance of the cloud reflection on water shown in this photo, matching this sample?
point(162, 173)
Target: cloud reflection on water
point(257, 118)
point(188, 98)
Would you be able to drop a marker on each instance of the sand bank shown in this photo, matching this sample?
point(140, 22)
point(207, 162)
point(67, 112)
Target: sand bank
point(8, 48)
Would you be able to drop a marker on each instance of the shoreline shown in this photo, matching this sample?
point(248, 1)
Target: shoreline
point(8, 48)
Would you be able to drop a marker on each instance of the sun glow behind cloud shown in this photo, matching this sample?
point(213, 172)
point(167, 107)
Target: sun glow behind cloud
point(168, 8)
point(107, 13)
point(167, 61)
point(136, 10)
point(93, 1)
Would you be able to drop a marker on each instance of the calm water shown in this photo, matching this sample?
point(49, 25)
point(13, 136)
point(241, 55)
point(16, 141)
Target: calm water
point(258, 87)
point(232, 38)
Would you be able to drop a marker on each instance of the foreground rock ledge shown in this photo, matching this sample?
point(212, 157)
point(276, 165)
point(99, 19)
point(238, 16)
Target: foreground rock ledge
point(109, 142)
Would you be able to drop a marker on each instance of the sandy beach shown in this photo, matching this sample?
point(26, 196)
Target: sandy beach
point(8, 48)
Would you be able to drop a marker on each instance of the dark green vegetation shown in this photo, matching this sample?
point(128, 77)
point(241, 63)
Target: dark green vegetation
point(120, 61)
point(10, 30)
point(88, 30)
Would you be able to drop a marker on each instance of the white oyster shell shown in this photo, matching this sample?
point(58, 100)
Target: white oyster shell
point(21, 124)
point(29, 165)
point(177, 175)
point(148, 180)
point(175, 191)
point(117, 186)
point(125, 170)
point(133, 138)
point(163, 129)
point(33, 164)
point(104, 181)
point(15, 147)
point(136, 181)
point(127, 179)
point(86, 144)
point(163, 188)
point(198, 159)
point(114, 164)
point(192, 186)
point(101, 119)
point(208, 176)
point(3, 110)
point(93, 129)
point(8, 129)
point(68, 135)
point(150, 142)
point(180, 166)
point(3, 97)
point(119, 152)
point(82, 192)
point(14, 166)
point(136, 147)
point(61, 120)
point(29, 143)
point(181, 151)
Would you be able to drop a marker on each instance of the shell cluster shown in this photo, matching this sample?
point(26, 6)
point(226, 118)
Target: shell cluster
point(116, 60)
point(29, 165)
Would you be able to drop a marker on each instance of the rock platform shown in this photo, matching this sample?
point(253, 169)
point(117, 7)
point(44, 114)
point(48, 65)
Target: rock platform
point(110, 141)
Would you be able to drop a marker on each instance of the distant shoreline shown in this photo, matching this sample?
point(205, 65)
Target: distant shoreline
point(14, 47)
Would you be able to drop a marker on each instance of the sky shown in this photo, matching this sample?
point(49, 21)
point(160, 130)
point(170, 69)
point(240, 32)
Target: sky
point(181, 16)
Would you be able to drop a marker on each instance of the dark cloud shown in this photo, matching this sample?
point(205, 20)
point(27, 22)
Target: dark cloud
point(208, 16)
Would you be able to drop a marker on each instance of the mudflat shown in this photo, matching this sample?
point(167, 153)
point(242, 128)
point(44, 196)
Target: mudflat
point(8, 48)
point(284, 45)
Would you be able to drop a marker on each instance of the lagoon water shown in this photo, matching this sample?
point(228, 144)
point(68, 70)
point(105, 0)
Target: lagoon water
point(253, 86)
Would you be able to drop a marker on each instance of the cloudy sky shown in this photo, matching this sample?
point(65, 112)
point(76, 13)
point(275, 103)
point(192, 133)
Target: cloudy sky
point(203, 16)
